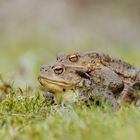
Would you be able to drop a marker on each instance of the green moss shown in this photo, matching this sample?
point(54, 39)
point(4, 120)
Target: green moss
point(30, 117)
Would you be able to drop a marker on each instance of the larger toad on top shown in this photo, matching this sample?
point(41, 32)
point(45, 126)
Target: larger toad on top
point(91, 69)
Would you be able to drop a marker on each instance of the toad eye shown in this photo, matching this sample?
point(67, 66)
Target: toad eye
point(73, 58)
point(58, 69)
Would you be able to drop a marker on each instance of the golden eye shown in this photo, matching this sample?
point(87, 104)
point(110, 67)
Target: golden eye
point(58, 69)
point(73, 58)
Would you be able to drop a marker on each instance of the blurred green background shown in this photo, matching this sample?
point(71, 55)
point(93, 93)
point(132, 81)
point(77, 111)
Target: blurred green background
point(34, 32)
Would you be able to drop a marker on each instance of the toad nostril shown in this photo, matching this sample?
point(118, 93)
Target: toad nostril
point(45, 68)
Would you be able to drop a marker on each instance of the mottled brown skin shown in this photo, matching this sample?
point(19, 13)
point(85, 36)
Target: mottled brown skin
point(91, 61)
point(90, 72)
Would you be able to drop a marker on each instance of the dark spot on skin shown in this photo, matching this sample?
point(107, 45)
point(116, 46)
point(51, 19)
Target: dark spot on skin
point(118, 90)
point(129, 97)
point(136, 86)
point(109, 93)
point(83, 74)
point(64, 89)
point(130, 94)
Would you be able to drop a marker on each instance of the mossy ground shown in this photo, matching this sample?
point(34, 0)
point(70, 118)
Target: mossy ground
point(30, 117)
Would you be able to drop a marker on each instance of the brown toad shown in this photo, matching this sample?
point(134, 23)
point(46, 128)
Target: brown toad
point(101, 65)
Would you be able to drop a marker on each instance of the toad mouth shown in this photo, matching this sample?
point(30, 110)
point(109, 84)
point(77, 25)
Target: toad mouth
point(45, 81)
